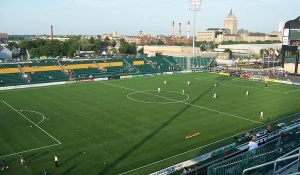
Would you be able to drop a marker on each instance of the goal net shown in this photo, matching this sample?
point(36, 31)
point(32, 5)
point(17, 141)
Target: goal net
point(258, 78)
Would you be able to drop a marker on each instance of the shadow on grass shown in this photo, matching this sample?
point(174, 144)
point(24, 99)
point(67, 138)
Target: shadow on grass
point(68, 171)
point(35, 155)
point(71, 158)
point(126, 154)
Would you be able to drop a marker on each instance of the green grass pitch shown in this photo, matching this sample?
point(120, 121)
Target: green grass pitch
point(127, 127)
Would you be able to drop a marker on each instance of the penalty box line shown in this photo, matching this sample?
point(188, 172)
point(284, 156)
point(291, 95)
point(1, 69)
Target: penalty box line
point(34, 149)
point(58, 142)
point(185, 103)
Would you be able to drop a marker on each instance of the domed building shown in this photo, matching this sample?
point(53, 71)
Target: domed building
point(231, 22)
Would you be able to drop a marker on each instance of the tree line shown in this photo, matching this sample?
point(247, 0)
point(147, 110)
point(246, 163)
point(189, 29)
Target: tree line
point(70, 47)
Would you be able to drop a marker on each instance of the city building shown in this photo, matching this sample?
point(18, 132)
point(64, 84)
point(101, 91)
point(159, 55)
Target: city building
point(231, 23)
point(230, 33)
point(3, 36)
point(211, 34)
point(249, 49)
point(144, 39)
point(182, 51)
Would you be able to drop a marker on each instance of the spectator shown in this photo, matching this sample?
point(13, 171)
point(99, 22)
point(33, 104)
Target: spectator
point(252, 144)
point(269, 129)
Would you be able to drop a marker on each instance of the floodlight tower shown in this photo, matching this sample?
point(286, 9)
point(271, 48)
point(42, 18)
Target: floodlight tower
point(195, 5)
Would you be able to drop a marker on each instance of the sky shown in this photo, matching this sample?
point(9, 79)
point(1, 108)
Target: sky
point(128, 17)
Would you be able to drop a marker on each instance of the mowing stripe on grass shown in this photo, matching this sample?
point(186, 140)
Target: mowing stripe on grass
point(31, 122)
point(185, 103)
point(199, 148)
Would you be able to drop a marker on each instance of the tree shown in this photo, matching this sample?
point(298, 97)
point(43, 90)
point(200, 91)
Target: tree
point(141, 51)
point(106, 39)
point(13, 44)
point(34, 52)
point(126, 48)
point(114, 43)
point(84, 44)
point(202, 47)
point(160, 42)
point(114, 50)
point(229, 51)
point(92, 40)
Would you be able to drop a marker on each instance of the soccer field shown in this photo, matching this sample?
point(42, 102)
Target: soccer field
point(127, 127)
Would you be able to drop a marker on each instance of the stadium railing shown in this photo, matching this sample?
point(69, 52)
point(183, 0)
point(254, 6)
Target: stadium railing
point(282, 142)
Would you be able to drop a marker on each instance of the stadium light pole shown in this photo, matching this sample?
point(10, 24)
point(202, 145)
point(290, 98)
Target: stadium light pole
point(195, 5)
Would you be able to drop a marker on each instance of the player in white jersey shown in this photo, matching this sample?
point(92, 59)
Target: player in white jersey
point(215, 96)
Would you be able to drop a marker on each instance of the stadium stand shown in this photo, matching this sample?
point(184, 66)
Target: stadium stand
point(47, 76)
point(140, 65)
point(272, 146)
point(11, 79)
point(36, 71)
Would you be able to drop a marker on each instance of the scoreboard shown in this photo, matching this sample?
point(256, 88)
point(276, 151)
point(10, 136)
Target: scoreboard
point(291, 35)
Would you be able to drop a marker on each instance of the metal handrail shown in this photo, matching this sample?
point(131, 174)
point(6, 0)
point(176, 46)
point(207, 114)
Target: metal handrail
point(275, 161)
point(295, 150)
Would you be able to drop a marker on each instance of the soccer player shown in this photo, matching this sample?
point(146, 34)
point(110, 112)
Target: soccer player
point(22, 159)
point(4, 163)
point(165, 82)
point(182, 91)
point(215, 96)
point(158, 90)
point(188, 83)
point(215, 85)
point(266, 85)
point(247, 93)
point(56, 161)
point(262, 115)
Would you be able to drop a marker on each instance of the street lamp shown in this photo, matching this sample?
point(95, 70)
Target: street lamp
point(195, 5)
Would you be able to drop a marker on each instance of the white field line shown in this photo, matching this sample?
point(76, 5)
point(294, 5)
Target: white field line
point(36, 113)
point(272, 85)
point(174, 156)
point(184, 103)
point(236, 85)
point(32, 122)
point(196, 148)
point(286, 92)
point(128, 96)
point(33, 149)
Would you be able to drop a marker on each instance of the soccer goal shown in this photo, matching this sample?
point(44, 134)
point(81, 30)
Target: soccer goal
point(258, 78)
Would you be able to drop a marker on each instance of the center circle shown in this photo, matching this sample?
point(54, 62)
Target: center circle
point(163, 97)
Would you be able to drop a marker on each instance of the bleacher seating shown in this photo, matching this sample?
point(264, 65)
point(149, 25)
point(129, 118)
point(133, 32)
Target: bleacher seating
point(159, 64)
point(141, 65)
point(11, 79)
point(9, 68)
point(40, 71)
point(47, 76)
point(182, 61)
